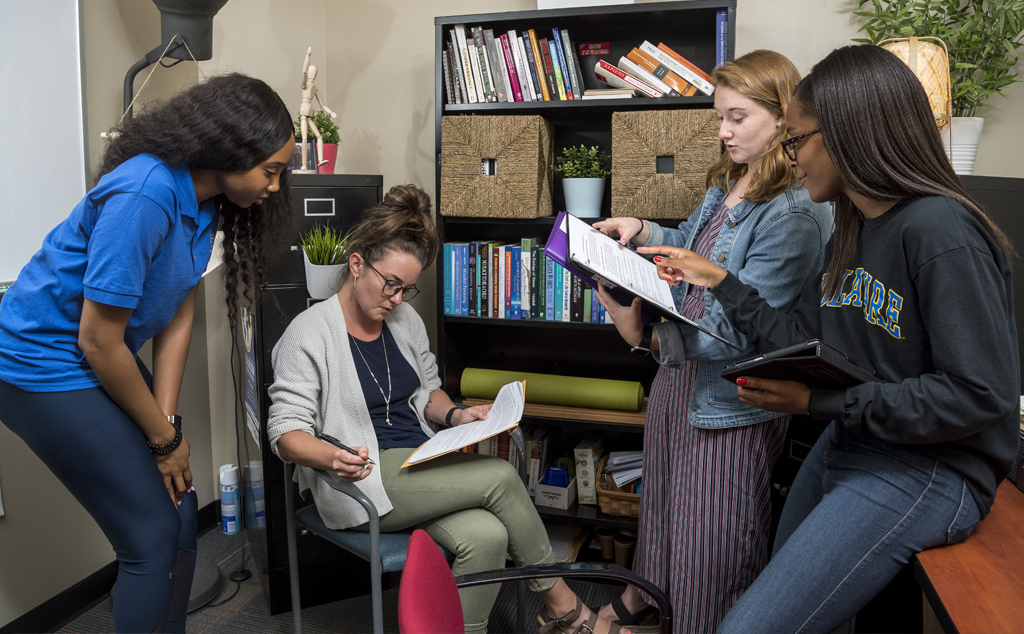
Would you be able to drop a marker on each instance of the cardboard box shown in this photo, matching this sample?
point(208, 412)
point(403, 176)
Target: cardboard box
point(587, 454)
point(556, 497)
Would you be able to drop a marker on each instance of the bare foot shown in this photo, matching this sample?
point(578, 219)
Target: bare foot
point(586, 622)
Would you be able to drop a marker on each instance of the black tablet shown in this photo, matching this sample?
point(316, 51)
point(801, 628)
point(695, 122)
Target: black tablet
point(812, 363)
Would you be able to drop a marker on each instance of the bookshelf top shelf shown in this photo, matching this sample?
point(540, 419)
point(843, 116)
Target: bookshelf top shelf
point(620, 11)
point(588, 105)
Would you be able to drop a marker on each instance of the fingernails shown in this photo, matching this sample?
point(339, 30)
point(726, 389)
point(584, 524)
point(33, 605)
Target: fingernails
point(191, 490)
point(179, 502)
point(658, 259)
point(741, 381)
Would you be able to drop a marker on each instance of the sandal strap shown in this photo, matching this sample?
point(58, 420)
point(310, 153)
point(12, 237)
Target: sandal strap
point(628, 618)
point(565, 620)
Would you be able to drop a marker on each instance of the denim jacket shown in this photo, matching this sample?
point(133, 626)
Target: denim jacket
point(776, 247)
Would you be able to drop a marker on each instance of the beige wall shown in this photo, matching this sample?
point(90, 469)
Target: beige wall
point(376, 69)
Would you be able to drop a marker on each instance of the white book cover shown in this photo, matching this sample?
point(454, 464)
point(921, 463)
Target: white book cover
point(679, 69)
point(503, 70)
point(615, 76)
point(526, 69)
point(474, 61)
point(642, 74)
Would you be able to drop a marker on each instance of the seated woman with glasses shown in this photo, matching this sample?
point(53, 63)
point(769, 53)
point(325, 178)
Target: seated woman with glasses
point(357, 367)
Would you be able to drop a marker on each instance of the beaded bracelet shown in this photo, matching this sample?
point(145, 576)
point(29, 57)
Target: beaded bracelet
point(163, 450)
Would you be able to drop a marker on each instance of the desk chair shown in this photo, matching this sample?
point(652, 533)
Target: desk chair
point(428, 599)
point(386, 552)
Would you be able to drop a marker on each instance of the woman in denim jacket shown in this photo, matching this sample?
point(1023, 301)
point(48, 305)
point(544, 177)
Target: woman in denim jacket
point(705, 509)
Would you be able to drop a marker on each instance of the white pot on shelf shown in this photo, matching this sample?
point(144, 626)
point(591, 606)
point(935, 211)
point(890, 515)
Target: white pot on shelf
point(583, 196)
point(966, 132)
point(322, 281)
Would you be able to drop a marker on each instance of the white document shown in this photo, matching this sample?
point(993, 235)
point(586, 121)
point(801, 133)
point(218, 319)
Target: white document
point(505, 414)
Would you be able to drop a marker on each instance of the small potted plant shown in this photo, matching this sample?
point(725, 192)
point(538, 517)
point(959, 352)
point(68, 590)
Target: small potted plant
point(325, 254)
point(583, 171)
point(982, 38)
point(329, 131)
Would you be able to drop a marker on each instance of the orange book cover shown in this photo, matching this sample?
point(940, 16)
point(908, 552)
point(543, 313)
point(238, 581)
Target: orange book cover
point(677, 83)
point(685, 62)
point(539, 63)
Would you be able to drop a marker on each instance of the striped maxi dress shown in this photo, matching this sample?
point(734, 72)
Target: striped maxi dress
point(705, 508)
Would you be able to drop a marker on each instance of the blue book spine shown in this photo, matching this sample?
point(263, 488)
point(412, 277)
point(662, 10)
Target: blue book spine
point(595, 308)
point(456, 280)
point(528, 47)
point(549, 289)
point(448, 279)
point(464, 259)
point(559, 291)
point(603, 319)
point(722, 24)
point(517, 280)
point(569, 88)
point(478, 250)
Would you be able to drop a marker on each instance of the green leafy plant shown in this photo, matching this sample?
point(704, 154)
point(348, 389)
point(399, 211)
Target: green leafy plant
point(582, 162)
point(324, 245)
point(328, 128)
point(982, 36)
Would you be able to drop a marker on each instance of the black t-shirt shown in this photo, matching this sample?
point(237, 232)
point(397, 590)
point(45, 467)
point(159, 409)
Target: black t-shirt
point(404, 430)
point(928, 307)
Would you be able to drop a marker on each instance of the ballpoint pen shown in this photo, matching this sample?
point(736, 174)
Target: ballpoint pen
point(340, 445)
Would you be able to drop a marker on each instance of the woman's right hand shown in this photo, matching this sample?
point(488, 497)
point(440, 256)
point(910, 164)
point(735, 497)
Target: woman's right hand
point(175, 470)
point(352, 468)
point(676, 264)
point(625, 229)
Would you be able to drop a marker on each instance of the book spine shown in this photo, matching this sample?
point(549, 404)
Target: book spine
point(524, 73)
point(576, 301)
point(506, 279)
point(662, 73)
point(460, 42)
point(549, 288)
point(449, 93)
point(680, 66)
point(601, 311)
point(525, 269)
point(643, 75)
point(594, 304)
point(495, 284)
point(542, 284)
point(460, 72)
point(485, 279)
point(474, 63)
point(535, 255)
point(559, 291)
point(510, 63)
point(557, 70)
point(722, 24)
point(456, 279)
point(566, 294)
point(575, 59)
point(531, 64)
point(503, 67)
point(588, 305)
point(619, 78)
point(560, 53)
point(516, 274)
point(539, 65)
point(485, 71)
point(502, 287)
point(473, 281)
point(493, 63)
point(448, 269)
point(549, 71)
point(573, 77)
point(466, 281)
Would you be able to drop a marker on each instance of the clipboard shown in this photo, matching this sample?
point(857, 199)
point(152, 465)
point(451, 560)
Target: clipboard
point(557, 248)
point(812, 363)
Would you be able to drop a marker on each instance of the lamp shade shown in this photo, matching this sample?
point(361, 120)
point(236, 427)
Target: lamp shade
point(193, 20)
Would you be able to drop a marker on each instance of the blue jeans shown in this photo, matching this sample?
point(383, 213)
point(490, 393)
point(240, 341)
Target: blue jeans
point(858, 511)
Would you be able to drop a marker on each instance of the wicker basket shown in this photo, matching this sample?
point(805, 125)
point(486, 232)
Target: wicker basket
point(690, 137)
point(613, 500)
point(929, 59)
point(522, 149)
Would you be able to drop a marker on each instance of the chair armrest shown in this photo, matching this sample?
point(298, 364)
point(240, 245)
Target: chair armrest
point(340, 486)
point(576, 569)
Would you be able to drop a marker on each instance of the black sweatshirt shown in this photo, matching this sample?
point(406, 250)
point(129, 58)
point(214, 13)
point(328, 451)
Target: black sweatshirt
point(927, 307)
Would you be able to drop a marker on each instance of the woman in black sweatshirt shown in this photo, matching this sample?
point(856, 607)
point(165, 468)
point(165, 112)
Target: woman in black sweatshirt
point(917, 289)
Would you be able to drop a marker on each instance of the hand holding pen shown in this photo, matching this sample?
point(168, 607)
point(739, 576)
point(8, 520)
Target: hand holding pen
point(348, 471)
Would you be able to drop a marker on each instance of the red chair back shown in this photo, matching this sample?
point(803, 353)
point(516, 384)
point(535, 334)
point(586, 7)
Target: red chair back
point(428, 601)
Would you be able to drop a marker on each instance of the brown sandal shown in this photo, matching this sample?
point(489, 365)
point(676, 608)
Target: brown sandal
point(546, 622)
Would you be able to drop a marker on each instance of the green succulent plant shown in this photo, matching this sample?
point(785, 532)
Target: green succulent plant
point(328, 128)
point(324, 245)
point(582, 162)
point(982, 36)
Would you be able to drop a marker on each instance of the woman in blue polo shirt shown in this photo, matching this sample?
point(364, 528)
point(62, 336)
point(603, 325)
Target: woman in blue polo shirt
point(123, 269)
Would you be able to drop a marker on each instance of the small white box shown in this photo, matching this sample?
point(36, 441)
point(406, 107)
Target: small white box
point(556, 497)
point(588, 454)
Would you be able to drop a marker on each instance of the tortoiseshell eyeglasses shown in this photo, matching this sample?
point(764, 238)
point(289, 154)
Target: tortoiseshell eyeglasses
point(789, 145)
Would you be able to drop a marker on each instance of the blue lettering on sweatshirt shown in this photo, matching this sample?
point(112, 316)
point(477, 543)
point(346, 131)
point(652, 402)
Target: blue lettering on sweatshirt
point(881, 306)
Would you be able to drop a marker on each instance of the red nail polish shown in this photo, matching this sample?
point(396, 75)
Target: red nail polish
point(658, 259)
point(741, 381)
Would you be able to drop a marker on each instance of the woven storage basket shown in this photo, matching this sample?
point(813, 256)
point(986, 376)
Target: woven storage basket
point(611, 499)
point(928, 58)
point(639, 138)
point(523, 151)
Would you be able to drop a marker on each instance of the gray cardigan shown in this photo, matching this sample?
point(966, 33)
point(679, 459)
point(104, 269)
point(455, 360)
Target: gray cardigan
point(316, 389)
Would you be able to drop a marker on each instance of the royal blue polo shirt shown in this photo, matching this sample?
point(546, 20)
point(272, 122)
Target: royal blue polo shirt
point(137, 240)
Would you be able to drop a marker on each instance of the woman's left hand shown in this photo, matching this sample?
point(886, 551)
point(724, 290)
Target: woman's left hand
point(786, 397)
point(626, 318)
point(470, 414)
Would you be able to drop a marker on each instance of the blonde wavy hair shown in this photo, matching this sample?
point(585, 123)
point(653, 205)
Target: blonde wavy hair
point(769, 78)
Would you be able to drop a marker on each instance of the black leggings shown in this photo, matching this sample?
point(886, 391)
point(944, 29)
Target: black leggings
point(102, 457)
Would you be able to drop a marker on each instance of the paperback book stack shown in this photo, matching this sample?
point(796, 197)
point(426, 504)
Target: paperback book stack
point(655, 71)
point(481, 66)
point(487, 278)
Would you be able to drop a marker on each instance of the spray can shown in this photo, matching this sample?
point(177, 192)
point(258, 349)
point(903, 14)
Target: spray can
point(256, 514)
point(229, 499)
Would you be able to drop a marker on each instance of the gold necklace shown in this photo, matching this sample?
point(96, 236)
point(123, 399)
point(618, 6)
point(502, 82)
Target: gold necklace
point(387, 399)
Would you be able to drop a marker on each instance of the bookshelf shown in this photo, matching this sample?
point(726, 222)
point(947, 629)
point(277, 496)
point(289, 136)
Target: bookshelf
point(572, 349)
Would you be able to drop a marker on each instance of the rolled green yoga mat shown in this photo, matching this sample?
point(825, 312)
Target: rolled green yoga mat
point(550, 389)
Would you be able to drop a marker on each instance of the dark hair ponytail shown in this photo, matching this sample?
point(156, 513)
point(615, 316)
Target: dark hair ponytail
point(403, 221)
point(880, 133)
point(230, 123)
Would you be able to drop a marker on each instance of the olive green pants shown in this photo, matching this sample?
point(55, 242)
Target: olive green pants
point(476, 507)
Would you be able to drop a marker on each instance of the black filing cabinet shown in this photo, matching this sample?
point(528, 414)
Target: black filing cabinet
point(327, 573)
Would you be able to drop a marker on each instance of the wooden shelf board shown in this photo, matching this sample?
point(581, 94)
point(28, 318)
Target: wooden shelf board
point(576, 413)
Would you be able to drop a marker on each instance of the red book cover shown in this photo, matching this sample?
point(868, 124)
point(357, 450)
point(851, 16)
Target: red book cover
point(513, 77)
point(496, 302)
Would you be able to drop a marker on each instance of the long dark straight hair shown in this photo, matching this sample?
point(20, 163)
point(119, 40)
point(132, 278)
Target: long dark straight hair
point(230, 123)
point(880, 133)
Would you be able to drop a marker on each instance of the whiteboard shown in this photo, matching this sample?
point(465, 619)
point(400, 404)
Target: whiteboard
point(43, 154)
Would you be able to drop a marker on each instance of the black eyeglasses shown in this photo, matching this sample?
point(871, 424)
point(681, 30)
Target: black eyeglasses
point(392, 287)
point(789, 145)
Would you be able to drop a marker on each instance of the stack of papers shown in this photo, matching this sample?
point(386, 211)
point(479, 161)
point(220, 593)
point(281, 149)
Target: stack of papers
point(566, 540)
point(625, 466)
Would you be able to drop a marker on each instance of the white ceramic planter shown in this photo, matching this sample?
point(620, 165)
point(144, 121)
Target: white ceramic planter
point(583, 196)
point(322, 281)
point(966, 132)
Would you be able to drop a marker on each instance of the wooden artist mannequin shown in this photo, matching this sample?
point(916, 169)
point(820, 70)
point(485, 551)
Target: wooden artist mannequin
point(309, 91)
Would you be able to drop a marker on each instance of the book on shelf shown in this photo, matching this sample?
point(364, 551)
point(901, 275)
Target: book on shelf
point(722, 31)
point(474, 64)
point(569, 88)
point(512, 275)
point(588, 306)
point(541, 274)
point(643, 75)
point(586, 455)
point(680, 66)
point(457, 67)
point(485, 73)
point(494, 66)
point(576, 301)
point(467, 70)
point(566, 295)
point(449, 269)
point(537, 457)
point(549, 70)
point(527, 257)
point(575, 59)
point(531, 64)
point(515, 87)
point(550, 267)
point(615, 76)
point(472, 272)
point(497, 305)
point(610, 93)
point(575, 77)
point(662, 73)
point(538, 60)
point(449, 92)
point(527, 75)
point(557, 69)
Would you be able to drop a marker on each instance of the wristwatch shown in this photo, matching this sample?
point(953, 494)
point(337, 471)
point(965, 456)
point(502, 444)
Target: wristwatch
point(644, 347)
